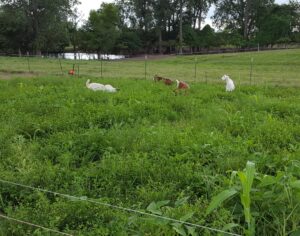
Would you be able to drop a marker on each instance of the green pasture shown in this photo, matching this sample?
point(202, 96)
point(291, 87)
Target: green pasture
point(145, 149)
point(268, 67)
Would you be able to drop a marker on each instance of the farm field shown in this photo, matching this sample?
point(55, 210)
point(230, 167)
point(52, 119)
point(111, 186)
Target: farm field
point(280, 67)
point(145, 149)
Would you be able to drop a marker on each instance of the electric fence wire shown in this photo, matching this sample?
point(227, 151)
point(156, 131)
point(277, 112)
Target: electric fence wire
point(126, 209)
point(34, 225)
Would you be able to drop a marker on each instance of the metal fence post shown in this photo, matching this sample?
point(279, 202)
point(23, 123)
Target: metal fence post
point(251, 70)
point(61, 69)
point(146, 57)
point(195, 68)
point(29, 70)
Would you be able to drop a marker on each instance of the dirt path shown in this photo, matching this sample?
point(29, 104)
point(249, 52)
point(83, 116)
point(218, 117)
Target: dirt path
point(8, 75)
point(149, 57)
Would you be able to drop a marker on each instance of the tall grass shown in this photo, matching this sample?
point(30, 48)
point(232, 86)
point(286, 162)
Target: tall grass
point(144, 146)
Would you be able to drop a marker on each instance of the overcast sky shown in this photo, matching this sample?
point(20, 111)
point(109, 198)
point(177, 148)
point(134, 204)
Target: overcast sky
point(87, 5)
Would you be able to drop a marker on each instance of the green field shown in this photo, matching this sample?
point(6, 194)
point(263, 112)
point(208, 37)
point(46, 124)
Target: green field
point(271, 67)
point(145, 149)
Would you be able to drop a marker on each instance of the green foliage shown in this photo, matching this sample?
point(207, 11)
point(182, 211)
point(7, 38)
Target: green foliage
point(149, 150)
point(100, 33)
point(219, 199)
point(246, 179)
point(276, 26)
point(35, 26)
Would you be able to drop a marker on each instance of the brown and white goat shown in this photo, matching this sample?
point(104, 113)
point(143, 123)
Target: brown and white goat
point(165, 80)
point(181, 86)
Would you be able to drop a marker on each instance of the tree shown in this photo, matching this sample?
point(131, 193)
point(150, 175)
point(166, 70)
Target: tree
point(13, 28)
point(129, 42)
point(197, 10)
point(277, 26)
point(101, 32)
point(73, 28)
point(242, 15)
point(162, 12)
point(44, 22)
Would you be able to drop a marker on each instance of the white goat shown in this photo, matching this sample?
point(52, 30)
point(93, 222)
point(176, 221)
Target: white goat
point(229, 83)
point(94, 86)
point(110, 89)
point(100, 87)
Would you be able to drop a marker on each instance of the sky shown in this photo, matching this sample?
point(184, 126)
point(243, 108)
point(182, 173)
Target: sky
point(87, 5)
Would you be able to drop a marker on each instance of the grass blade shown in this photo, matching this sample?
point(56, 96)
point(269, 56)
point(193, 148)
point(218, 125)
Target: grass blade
point(219, 199)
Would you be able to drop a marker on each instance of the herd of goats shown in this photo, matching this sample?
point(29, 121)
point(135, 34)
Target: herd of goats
point(180, 85)
point(183, 86)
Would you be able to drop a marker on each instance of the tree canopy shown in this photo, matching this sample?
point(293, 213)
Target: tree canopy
point(145, 26)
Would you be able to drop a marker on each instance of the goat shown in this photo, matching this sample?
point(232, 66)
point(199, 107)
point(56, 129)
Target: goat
point(110, 89)
point(157, 78)
point(181, 86)
point(165, 80)
point(100, 87)
point(94, 86)
point(71, 72)
point(229, 83)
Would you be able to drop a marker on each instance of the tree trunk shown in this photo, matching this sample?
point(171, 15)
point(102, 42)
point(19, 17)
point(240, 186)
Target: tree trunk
point(180, 28)
point(34, 14)
point(160, 41)
point(246, 19)
point(75, 53)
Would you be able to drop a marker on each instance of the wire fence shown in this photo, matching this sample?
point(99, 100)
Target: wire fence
point(189, 68)
point(120, 208)
point(33, 225)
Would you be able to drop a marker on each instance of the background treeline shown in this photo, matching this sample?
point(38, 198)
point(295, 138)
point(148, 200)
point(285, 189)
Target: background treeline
point(145, 26)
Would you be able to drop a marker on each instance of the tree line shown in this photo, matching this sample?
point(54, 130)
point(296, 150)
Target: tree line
point(145, 26)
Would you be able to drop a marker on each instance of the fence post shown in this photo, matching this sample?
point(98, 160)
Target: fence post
point(239, 81)
point(251, 68)
point(195, 68)
point(29, 70)
point(61, 69)
point(101, 68)
point(146, 57)
point(78, 70)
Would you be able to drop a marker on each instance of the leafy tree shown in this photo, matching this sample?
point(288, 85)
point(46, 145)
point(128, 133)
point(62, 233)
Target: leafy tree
point(13, 27)
point(73, 29)
point(41, 22)
point(241, 15)
point(207, 38)
point(101, 32)
point(129, 42)
point(162, 12)
point(197, 11)
point(191, 37)
point(277, 26)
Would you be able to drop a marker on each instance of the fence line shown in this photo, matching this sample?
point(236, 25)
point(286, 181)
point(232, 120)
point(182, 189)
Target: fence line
point(126, 209)
point(34, 225)
point(190, 70)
